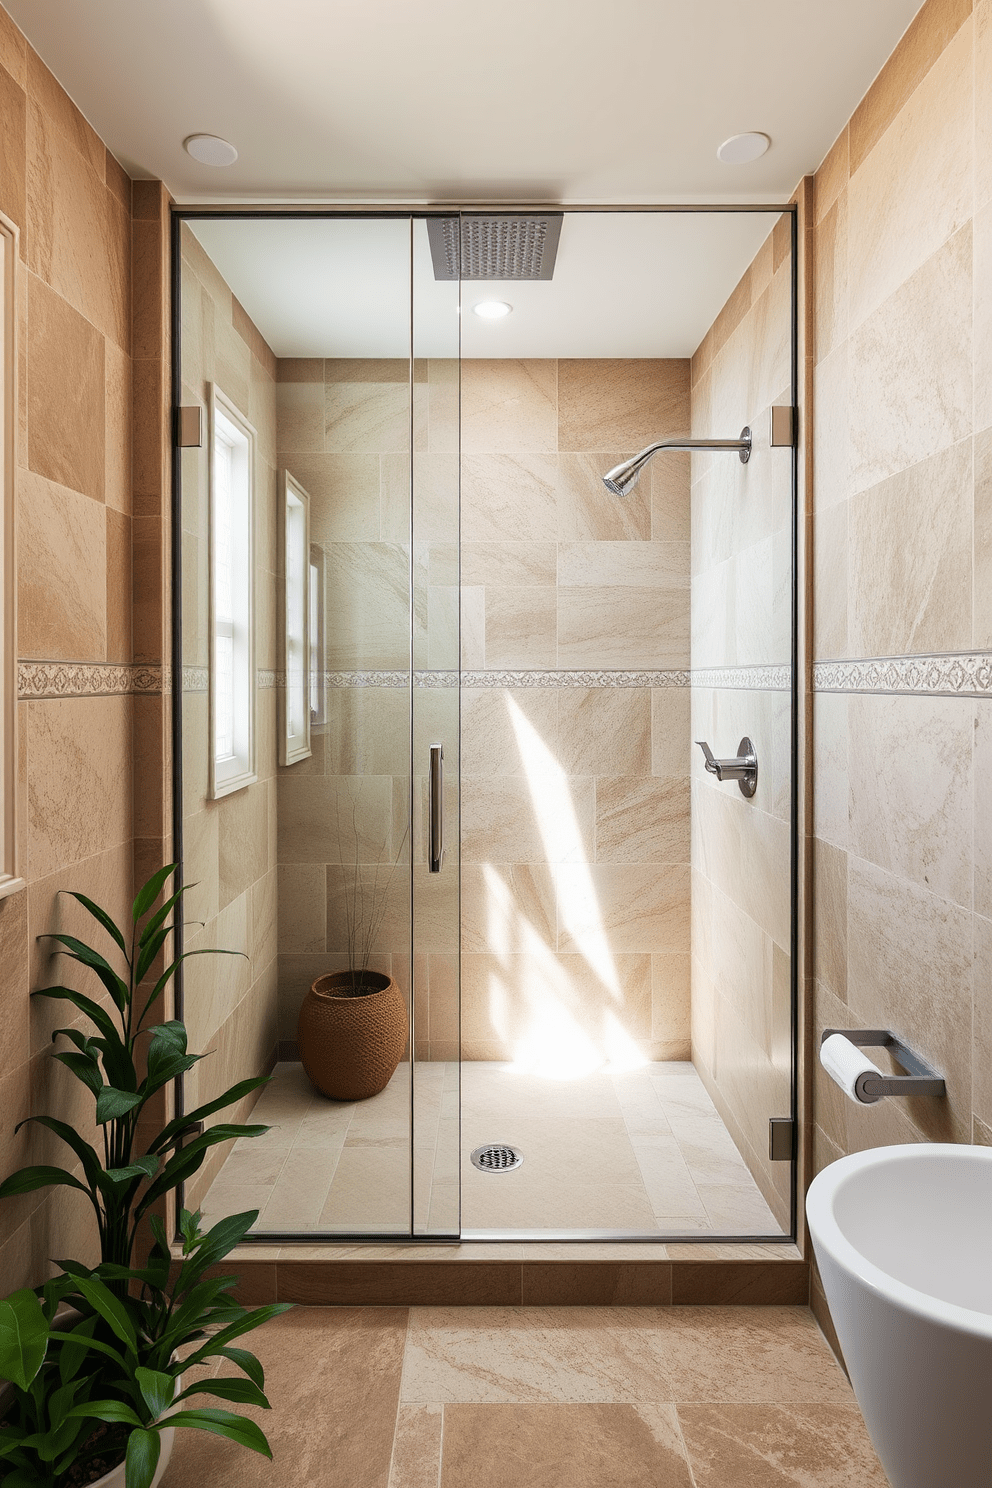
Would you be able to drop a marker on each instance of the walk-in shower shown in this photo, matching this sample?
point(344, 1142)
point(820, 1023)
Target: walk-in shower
point(393, 548)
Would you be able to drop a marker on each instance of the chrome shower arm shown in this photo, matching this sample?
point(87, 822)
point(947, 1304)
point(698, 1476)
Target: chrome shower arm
point(622, 479)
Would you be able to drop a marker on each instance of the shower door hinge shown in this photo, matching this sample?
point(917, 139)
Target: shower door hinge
point(783, 426)
point(781, 1139)
point(189, 427)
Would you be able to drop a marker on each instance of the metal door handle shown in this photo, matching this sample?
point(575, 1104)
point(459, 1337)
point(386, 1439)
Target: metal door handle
point(435, 824)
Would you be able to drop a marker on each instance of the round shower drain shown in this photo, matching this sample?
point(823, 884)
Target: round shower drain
point(497, 1157)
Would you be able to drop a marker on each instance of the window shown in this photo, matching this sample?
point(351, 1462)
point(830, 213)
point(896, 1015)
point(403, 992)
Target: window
point(317, 711)
point(9, 880)
point(294, 738)
point(232, 658)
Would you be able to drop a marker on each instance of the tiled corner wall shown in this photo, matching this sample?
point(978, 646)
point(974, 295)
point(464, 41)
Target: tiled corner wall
point(230, 844)
point(86, 711)
point(903, 553)
point(741, 640)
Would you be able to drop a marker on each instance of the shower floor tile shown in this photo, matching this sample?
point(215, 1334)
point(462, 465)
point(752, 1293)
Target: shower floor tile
point(642, 1151)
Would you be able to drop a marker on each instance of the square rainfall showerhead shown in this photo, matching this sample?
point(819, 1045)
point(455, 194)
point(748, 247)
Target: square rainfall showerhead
point(508, 246)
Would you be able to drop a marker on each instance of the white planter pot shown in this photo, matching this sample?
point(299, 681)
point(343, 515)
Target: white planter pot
point(115, 1477)
point(903, 1240)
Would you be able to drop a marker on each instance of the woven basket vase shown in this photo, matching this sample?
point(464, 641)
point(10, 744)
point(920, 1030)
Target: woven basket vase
point(350, 1046)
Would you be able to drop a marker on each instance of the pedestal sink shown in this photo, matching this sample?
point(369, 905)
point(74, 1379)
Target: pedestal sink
point(903, 1240)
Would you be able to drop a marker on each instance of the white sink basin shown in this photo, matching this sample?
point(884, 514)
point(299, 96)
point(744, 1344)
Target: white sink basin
point(903, 1240)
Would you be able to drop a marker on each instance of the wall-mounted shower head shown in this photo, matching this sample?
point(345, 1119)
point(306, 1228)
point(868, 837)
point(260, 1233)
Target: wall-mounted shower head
point(622, 479)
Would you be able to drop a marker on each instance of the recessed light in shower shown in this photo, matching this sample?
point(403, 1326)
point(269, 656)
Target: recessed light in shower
point(492, 309)
point(741, 149)
point(210, 149)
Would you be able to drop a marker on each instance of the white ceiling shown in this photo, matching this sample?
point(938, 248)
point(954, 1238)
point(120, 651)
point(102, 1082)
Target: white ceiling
point(449, 100)
point(632, 284)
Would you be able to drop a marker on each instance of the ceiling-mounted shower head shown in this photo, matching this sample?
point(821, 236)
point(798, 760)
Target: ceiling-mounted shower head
point(491, 246)
point(622, 479)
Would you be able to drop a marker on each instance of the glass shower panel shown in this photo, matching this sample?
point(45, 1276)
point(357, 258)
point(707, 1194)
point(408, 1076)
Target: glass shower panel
point(436, 741)
point(304, 327)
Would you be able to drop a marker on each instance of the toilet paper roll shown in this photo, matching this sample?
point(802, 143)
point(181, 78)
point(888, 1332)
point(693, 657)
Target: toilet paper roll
point(846, 1063)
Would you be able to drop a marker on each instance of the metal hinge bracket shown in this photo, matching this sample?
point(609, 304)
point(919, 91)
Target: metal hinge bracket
point(781, 1139)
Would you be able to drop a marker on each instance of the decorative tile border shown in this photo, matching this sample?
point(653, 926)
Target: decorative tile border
point(76, 679)
point(753, 679)
point(749, 678)
point(968, 674)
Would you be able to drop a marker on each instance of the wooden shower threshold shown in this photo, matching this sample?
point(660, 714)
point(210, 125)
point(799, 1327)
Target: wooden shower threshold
point(512, 1274)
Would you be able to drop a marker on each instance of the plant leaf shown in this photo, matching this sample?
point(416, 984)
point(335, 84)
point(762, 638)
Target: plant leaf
point(248, 1362)
point(150, 891)
point(92, 1167)
point(214, 1246)
point(26, 1180)
point(143, 1451)
point(139, 1167)
point(85, 1067)
point(114, 1411)
point(253, 1319)
point(23, 1338)
point(236, 1093)
point(86, 1005)
point(101, 916)
point(80, 951)
point(174, 966)
point(148, 952)
point(111, 1103)
point(110, 1308)
point(189, 1158)
point(225, 1423)
point(157, 1390)
point(159, 917)
point(241, 1391)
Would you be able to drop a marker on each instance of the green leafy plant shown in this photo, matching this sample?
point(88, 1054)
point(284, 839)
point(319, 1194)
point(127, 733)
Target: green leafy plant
point(44, 1424)
point(125, 1063)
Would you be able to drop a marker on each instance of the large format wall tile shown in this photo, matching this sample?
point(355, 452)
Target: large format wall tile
point(509, 406)
point(605, 404)
point(65, 394)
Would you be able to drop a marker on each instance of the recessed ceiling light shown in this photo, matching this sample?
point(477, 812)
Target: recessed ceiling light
point(209, 149)
point(492, 309)
point(741, 149)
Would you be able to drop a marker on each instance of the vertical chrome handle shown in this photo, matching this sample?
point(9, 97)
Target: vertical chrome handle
point(435, 824)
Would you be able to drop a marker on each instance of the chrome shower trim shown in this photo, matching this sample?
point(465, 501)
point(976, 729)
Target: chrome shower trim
point(622, 479)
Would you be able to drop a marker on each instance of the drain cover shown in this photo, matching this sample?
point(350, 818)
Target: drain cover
point(497, 1157)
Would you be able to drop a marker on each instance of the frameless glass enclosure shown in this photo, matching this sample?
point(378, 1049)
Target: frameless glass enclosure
point(439, 697)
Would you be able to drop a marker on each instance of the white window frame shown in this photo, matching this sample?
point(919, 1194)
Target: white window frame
point(228, 426)
point(294, 629)
point(318, 692)
point(10, 868)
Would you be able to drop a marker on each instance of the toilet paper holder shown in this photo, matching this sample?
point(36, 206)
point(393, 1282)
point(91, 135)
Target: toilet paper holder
point(921, 1080)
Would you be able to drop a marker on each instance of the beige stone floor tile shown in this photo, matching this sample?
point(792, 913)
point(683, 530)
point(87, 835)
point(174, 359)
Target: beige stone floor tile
point(543, 1446)
point(416, 1461)
point(763, 1446)
point(534, 1354)
point(750, 1356)
point(371, 1191)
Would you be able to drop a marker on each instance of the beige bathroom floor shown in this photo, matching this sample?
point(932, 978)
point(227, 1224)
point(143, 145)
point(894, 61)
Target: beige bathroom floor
point(544, 1397)
point(639, 1152)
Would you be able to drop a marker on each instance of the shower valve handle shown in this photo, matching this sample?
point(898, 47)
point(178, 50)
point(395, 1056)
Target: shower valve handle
point(743, 769)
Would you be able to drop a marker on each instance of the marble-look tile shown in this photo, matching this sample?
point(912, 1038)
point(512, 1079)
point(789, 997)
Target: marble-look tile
point(830, 917)
point(911, 367)
point(367, 732)
point(504, 907)
point(604, 404)
point(509, 406)
point(509, 493)
point(334, 1419)
point(243, 840)
point(509, 819)
point(768, 1355)
point(416, 1461)
point(638, 907)
point(590, 1446)
point(910, 970)
point(337, 819)
point(917, 824)
point(614, 626)
point(588, 512)
point(514, 565)
point(491, 739)
point(801, 1446)
point(61, 598)
point(898, 216)
point(909, 576)
point(300, 417)
point(670, 741)
point(344, 495)
point(65, 395)
point(983, 315)
point(642, 820)
point(520, 628)
point(832, 447)
point(79, 750)
point(830, 583)
point(302, 907)
point(604, 731)
point(670, 498)
point(539, 1004)
point(830, 750)
point(830, 288)
point(367, 606)
point(982, 1031)
point(370, 1192)
point(367, 417)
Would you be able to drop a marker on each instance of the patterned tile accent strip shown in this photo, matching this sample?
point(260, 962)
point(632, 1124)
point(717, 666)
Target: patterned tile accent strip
point(76, 679)
point(964, 675)
point(749, 678)
point(754, 679)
